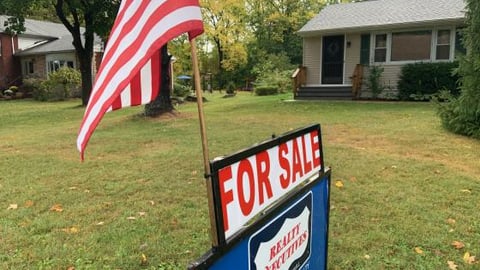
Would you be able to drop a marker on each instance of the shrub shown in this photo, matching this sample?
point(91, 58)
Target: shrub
point(230, 88)
point(274, 70)
point(180, 90)
point(59, 86)
point(374, 80)
point(266, 90)
point(462, 115)
point(426, 79)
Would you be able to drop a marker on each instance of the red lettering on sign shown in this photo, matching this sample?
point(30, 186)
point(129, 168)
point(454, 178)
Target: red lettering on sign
point(284, 164)
point(246, 205)
point(297, 162)
point(315, 148)
point(263, 171)
point(225, 175)
point(307, 163)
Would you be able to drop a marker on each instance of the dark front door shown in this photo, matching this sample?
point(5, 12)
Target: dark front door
point(332, 60)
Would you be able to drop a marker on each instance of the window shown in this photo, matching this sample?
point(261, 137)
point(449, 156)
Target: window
point(28, 67)
point(57, 64)
point(411, 46)
point(443, 45)
point(380, 54)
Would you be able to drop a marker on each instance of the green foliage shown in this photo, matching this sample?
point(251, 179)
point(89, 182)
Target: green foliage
point(462, 115)
point(374, 80)
point(31, 86)
point(266, 90)
point(66, 76)
point(180, 90)
point(425, 79)
point(59, 86)
point(275, 24)
point(276, 71)
point(230, 88)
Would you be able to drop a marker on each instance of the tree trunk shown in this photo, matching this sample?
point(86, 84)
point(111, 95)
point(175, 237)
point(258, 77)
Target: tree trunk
point(163, 102)
point(86, 71)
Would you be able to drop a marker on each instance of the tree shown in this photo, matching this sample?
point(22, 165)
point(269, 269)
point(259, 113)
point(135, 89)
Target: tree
point(275, 23)
point(225, 25)
point(462, 115)
point(95, 15)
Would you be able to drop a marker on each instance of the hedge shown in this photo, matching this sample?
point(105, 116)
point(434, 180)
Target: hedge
point(425, 79)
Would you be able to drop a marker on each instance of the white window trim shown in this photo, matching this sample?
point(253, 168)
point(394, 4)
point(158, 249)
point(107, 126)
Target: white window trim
point(433, 48)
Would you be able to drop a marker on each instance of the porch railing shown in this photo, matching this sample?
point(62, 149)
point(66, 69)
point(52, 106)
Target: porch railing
point(299, 78)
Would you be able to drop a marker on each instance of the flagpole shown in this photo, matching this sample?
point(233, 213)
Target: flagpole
point(203, 133)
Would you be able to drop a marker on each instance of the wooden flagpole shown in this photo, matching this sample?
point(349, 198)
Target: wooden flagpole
point(203, 132)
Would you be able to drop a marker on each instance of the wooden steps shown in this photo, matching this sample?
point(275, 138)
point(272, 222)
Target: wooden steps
point(325, 92)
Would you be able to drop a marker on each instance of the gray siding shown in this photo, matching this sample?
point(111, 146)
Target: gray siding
point(312, 48)
point(352, 56)
point(389, 79)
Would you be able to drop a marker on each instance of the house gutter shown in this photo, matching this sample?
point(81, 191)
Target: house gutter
point(382, 27)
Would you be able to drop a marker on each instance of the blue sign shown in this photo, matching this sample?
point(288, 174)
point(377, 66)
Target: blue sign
point(296, 238)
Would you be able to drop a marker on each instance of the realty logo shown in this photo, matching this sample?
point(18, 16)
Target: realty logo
point(289, 247)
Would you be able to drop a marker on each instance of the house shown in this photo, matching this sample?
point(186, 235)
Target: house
point(43, 48)
point(343, 41)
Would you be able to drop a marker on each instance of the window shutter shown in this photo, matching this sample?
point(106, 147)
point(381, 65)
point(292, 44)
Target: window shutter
point(365, 49)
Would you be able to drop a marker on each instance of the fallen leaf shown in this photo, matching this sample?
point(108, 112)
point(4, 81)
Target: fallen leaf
point(451, 221)
point(394, 166)
point(71, 268)
point(29, 203)
point(418, 250)
point(367, 257)
point(152, 203)
point(458, 244)
point(13, 207)
point(339, 184)
point(452, 265)
point(71, 230)
point(468, 259)
point(56, 208)
point(131, 218)
point(466, 191)
point(353, 179)
point(100, 223)
point(143, 259)
point(142, 214)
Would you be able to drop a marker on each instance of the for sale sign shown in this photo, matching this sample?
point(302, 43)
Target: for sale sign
point(250, 184)
point(271, 204)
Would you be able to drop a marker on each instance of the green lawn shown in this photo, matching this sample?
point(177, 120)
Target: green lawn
point(410, 188)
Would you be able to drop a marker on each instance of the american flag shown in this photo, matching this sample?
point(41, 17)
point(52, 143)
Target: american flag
point(129, 74)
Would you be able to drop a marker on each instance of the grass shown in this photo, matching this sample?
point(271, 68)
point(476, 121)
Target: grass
point(407, 183)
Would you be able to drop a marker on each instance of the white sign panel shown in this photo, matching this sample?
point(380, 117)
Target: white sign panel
point(251, 185)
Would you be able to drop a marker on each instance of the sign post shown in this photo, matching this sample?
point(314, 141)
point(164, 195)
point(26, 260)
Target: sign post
point(271, 204)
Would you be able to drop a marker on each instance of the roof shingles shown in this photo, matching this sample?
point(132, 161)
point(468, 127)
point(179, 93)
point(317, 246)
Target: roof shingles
point(383, 14)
